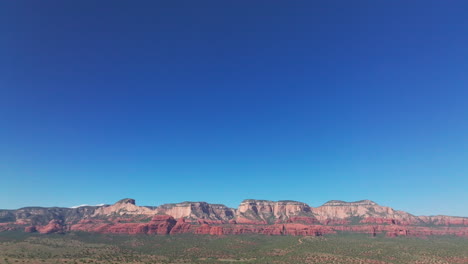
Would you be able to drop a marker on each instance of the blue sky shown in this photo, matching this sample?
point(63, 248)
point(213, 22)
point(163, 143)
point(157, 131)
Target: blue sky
point(220, 101)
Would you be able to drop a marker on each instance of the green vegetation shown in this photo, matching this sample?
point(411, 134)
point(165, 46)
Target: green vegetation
point(18, 247)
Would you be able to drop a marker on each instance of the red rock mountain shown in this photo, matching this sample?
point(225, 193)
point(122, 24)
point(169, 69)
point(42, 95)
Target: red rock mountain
point(197, 211)
point(269, 212)
point(251, 217)
point(364, 211)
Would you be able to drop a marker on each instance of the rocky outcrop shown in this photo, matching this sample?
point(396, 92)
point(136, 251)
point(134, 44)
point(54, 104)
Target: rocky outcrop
point(181, 227)
point(269, 212)
point(159, 224)
point(251, 217)
point(54, 226)
point(124, 207)
point(197, 210)
point(365, 211)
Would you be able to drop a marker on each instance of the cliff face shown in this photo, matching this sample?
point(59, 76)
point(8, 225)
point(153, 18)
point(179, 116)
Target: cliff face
point(197, 210)
point(251, 217)
point(124, 207)
point(269, 212)
point(364, 211)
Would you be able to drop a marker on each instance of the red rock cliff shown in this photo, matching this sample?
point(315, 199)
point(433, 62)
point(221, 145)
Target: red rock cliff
point(251, 217)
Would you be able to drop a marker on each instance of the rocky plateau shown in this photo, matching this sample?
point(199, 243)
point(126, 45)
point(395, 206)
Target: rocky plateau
point(251, 217)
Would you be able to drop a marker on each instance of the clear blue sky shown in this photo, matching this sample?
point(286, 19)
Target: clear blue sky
point(220, 101)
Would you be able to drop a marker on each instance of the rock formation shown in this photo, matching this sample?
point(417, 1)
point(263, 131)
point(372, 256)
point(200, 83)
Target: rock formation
point(123, 207)
point(269, 212)
point(197, 210)
point(365, 211)
point(251, 217)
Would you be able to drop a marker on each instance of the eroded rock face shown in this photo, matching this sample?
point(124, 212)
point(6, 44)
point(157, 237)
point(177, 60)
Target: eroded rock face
point(252, 217)
point(126, 201)
point(54, 226)
point(365, 211)
point(124, 207)
point(181, 227)
point(159, 224)
point(269, 212)
point(197, 210)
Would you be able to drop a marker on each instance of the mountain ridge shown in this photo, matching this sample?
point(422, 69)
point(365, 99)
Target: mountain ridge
point(283, 217)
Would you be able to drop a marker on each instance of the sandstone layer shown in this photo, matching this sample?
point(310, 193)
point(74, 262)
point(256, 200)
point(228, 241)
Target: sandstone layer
point(251, 217)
